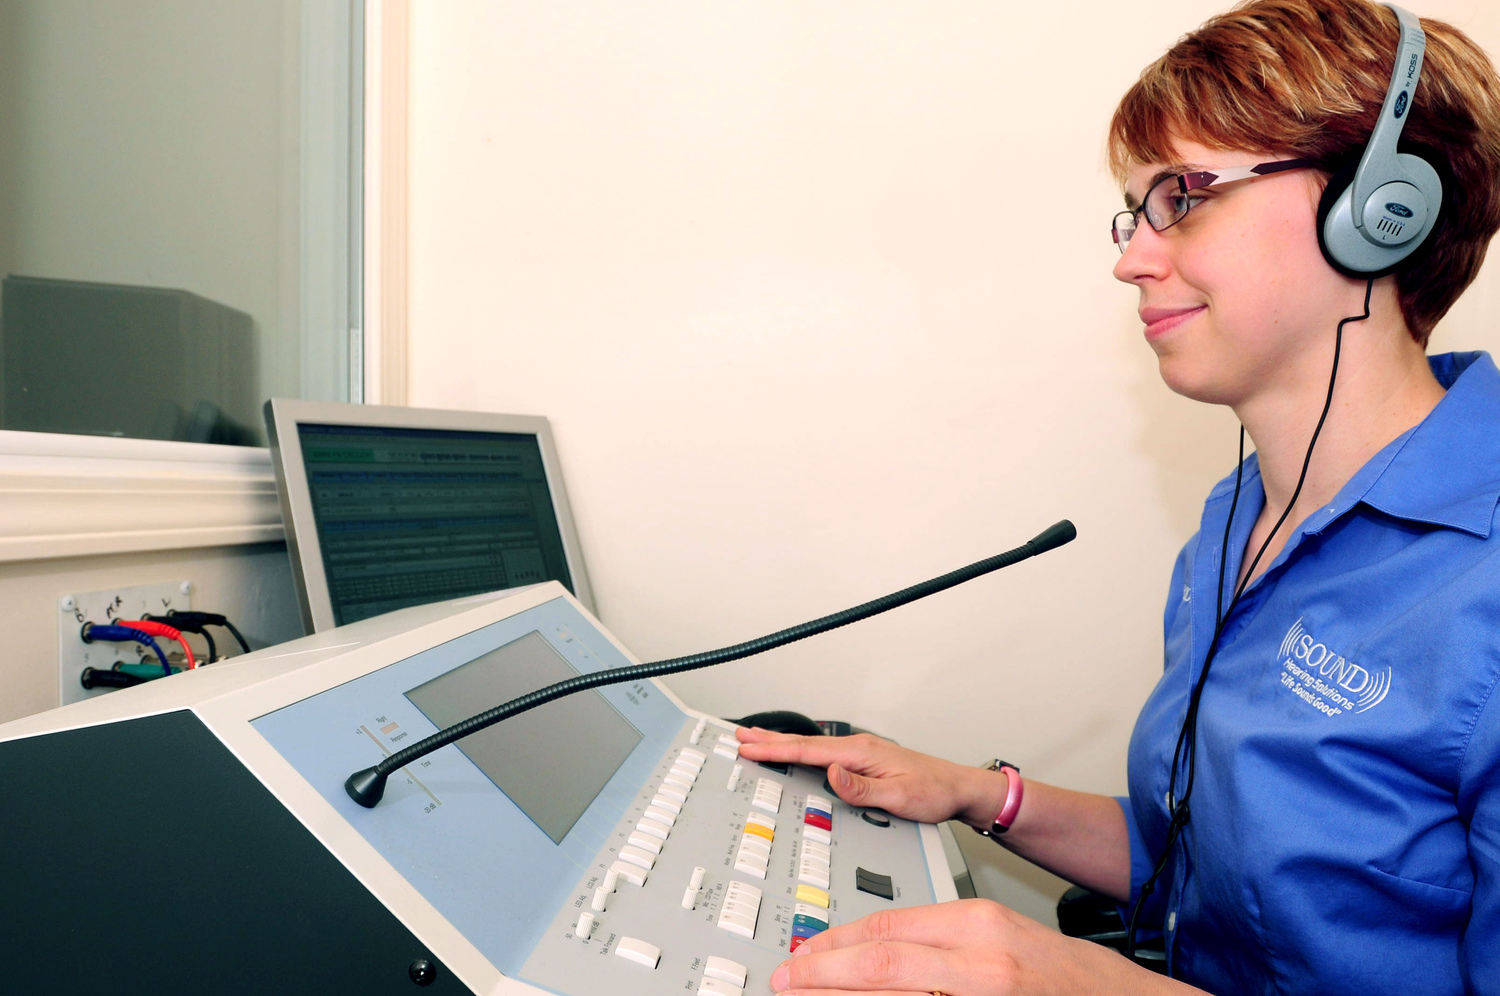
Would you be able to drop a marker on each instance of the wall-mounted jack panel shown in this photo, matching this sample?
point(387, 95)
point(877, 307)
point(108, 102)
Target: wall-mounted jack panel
point(73, 610)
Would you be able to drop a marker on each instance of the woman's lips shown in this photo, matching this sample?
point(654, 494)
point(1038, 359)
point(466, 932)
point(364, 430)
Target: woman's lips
point(1160, 321)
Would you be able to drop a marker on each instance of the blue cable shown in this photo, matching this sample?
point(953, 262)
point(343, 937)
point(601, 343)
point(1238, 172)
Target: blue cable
point(124, 634)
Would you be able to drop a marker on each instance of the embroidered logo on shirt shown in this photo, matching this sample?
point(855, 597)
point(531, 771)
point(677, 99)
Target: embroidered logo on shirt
point(1321, 677)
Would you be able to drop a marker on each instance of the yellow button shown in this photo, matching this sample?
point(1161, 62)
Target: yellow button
point(812, 894)
point(760, 831)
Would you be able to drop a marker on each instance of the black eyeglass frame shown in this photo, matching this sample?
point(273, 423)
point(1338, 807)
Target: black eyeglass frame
point(1123, 226)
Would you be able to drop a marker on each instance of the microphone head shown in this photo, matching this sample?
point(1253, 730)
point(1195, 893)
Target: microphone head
point(365, 787)
point(1052, 537)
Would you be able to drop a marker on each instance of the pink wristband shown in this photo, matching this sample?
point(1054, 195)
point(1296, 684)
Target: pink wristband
point(1015, 788)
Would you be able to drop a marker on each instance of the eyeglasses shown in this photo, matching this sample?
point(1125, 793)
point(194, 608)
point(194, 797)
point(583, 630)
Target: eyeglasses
point(1167, 202)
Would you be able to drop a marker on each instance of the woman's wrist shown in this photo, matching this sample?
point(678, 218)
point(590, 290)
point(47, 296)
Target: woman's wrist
point(986, 794)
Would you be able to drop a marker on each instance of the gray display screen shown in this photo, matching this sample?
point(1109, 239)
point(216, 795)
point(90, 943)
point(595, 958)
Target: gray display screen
point(408, 516)
point(551, 761)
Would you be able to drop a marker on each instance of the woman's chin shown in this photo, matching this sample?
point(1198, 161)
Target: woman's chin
point(1196, 381)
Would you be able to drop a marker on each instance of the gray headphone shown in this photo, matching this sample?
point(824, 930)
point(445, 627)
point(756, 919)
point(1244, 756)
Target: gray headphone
point(1374, 214)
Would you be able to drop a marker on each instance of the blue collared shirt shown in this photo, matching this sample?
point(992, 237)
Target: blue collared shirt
point(1345, 831)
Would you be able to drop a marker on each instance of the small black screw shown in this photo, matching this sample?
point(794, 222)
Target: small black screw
point(422, 972)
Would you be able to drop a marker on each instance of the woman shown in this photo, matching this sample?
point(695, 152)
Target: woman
point(1343, 762)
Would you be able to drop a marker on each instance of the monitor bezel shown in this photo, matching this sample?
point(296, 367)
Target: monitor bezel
point(283, 415)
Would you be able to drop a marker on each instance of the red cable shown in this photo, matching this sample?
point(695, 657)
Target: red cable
point(162, 629)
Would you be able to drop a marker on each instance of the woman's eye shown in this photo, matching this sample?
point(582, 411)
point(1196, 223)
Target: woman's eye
point(1182, 203)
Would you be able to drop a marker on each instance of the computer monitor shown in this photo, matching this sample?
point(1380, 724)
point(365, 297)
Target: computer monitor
point(389, 507)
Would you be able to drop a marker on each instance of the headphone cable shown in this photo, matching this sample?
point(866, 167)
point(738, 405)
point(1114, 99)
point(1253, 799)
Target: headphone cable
point(1185, 754)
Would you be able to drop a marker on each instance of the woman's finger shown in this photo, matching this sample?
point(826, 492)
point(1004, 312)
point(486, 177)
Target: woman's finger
point(763, 745)
point(875, 966)
point(846, 992)
point(944, 925)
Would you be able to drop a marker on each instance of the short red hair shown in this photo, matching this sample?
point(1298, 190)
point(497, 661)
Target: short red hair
point(1305, 79)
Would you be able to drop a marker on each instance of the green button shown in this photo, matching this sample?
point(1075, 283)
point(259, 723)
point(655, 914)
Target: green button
point(803, 920)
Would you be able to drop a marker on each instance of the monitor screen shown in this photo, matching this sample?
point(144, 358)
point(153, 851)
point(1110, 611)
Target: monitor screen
point(406, 516)
point(551, 761)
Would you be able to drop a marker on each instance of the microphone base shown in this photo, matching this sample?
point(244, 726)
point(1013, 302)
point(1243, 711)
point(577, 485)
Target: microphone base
point(365, 787)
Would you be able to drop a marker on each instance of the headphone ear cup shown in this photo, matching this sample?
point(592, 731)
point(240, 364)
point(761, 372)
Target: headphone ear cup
point(1346, 248)
point(1335, 224)
point(1338, 185)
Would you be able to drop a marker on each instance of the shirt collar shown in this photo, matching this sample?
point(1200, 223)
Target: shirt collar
point(1446, 470)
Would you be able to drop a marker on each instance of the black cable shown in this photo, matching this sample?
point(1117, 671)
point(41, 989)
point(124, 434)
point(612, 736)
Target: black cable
point(236, 633)
point(1185, 754)
point(177, 617)
point(366, 787)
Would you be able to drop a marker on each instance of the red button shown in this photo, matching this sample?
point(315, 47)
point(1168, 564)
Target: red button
point(821, 822)
point(797, 942)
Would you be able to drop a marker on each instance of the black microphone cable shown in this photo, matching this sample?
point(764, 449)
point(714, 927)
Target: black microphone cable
point(1185, 754)
point(367, 786)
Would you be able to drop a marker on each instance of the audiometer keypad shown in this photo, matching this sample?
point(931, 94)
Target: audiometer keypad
point(624, 847)
point(709, 894)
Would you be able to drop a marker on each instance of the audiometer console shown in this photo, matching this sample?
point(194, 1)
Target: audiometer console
point(194, 834)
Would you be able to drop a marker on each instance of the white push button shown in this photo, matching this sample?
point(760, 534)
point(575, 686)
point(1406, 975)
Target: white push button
point(686, 772)
point(725, 970)
point(729, 753)
point(741, 926)
point(750, 865)
point(813, 876)
point(755, 845)
point(636, 950)
point(660, 815)
point(741, 908)
point(681, 783)
point(718, 987)
point(669, 790)
point(645, 842)
point(814, 833)
point(695, 756)
point(585, 924)
point(661, 801)
point(655, 829)
point(769, 822)
point(638, 857)
point(634, 874)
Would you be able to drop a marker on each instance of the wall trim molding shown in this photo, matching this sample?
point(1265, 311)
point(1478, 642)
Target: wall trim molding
point(70, 496)
point(387, 103)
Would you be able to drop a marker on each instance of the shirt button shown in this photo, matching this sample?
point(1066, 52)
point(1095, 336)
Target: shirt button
point(1172, 920)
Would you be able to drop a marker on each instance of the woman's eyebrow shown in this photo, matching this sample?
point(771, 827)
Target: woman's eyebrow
point(1131, 203)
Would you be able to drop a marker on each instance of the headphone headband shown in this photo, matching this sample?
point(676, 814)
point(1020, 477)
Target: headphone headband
point(1378, 165)
point(1375, 213)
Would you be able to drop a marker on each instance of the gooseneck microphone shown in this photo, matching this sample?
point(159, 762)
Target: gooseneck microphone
point(366, 787)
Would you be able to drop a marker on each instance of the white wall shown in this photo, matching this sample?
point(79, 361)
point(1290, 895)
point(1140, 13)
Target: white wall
point(817, 296)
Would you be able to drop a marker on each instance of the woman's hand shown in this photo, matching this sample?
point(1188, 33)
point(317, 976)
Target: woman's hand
point(971, 947)
point(867, 771)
